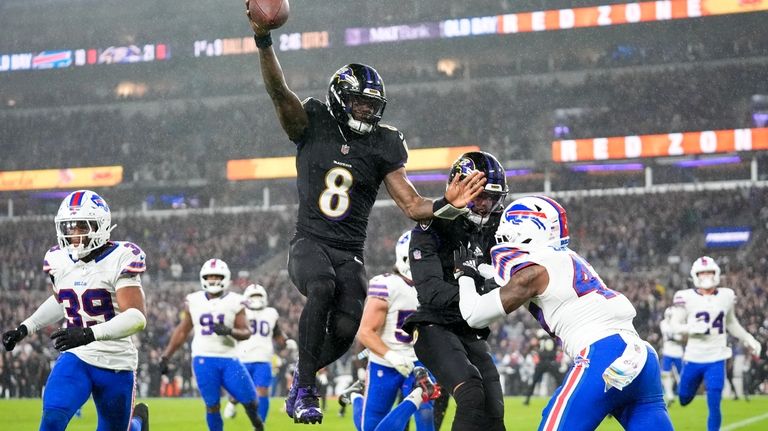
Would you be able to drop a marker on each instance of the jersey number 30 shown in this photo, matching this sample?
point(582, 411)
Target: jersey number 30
point(334, 200)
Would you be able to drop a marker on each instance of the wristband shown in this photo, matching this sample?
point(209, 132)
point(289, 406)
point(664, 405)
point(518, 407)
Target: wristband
point(441, 208)
point(263, 41)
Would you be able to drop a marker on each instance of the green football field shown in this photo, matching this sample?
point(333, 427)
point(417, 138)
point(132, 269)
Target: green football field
point(188, 414)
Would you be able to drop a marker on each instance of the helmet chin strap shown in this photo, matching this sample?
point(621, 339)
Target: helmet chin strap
point(477, 218)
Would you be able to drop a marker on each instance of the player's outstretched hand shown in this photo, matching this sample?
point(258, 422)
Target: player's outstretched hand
point(460, 192)
point(222, 329)
point(69, 338)
point(257, 30)
point(10, 338)
point(464, 262)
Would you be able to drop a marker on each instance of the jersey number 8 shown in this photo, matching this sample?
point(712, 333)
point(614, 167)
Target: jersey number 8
point(334, 200)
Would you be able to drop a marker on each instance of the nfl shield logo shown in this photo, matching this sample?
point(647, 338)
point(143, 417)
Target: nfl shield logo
point(417, 254)
point(345, 149)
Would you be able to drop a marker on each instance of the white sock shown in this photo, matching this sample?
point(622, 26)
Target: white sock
point(415, 397)
point(354, 396)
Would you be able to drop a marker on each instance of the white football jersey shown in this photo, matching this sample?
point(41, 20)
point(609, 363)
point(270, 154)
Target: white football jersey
point(402, 302)
point(672, 341)
point(576, 306)
point(259, 347)
point(713, 310)
point(205, 313)
point(87, 294)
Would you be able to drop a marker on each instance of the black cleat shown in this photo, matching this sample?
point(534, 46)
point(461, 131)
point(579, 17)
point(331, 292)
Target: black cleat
point(141, 411)
point(355, 388)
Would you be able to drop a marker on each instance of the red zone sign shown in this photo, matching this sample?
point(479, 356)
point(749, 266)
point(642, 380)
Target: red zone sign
point(663, 145)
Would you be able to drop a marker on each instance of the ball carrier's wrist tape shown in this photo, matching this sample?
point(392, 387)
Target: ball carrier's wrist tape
point(263, 41)
point(441, 208)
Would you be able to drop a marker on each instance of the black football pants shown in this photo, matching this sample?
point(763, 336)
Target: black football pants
point(462, 364)
point(335, 285)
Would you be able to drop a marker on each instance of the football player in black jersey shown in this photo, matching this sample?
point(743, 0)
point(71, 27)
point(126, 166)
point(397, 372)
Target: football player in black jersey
point(457, 355)
point(343, 156)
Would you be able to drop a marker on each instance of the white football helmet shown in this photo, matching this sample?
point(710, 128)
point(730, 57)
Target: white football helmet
point(401, 255)
point(705, 264)
point(215, 267)
point(256, 295)
point(533, 222)
point(83, 217)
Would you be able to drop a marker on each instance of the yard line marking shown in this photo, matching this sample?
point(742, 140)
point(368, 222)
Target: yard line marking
point(745, 422)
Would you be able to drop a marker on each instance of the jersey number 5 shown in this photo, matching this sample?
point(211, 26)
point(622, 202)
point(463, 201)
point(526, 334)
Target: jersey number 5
point(334, 200)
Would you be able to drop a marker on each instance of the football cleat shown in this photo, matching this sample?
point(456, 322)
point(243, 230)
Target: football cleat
point(230, 410)
point(421, 380)
point(141, 411)
point(357, 387)
point(292, 392)
point(307, 407)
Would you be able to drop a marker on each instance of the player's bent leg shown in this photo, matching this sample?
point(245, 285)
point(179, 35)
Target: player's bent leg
point(66, 390)
point(238, 383)
point(342, 329)
point(312, 327)
point(690, 379)
point(208, 372)
point(580, 403)
point(113, 394)
point(380, 393)
point(140, 419)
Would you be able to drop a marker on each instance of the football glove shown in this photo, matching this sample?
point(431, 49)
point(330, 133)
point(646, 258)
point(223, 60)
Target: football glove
point(698, 327)
point(222, 329)
point(163, 365)
point(400, 362)
point(10, 338)
point(755, 346)
point(69, 338)
point(464, 263)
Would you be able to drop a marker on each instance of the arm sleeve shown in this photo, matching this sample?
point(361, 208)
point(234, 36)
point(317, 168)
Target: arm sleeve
point(48, 313)
point(479, 310)
point(427, 272)
point(124, 324)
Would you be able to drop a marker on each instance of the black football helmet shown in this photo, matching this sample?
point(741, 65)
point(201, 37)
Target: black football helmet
point(356, 97)
point(492, 199)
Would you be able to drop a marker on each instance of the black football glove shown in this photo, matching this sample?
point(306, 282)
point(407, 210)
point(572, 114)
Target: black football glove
point(222, 329)
point(163, 365)
point(69, 338)
point(464, 263)
point(10, 338)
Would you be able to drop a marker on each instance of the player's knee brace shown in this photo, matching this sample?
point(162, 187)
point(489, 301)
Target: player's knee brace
point(470, 403)
point(54, 420)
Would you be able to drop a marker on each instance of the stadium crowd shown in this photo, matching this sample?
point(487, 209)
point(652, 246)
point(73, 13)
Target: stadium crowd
point(629, 239)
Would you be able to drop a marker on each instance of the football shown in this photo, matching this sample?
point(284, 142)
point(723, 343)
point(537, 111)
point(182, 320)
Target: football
point(269, 14)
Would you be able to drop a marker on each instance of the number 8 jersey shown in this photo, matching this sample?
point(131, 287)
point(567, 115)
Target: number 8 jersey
point(576, 306)
point(87, 293)
point(206, 312)
point(716, 311)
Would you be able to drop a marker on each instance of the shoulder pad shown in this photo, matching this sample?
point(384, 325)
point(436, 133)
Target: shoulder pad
point(507, 261)
point(132, 259)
